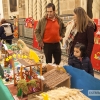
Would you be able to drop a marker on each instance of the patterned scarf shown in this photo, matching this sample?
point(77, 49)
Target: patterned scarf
point(70, 40)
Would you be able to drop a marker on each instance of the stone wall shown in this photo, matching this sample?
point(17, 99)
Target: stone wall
point(96, 9)
point(21, 8)
point(5, 8)
point(32, 8)
point(66, 6)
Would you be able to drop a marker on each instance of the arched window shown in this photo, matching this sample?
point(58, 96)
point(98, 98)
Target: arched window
point(89, 8)
point(13, 5)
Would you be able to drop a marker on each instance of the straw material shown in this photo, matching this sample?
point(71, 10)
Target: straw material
point(62, 93)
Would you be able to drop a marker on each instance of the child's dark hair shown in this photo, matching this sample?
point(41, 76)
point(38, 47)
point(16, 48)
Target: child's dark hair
point(82, 49)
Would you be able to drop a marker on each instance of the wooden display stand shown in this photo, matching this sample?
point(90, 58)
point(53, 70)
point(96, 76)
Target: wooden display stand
point(27, 65)
point(25, 68)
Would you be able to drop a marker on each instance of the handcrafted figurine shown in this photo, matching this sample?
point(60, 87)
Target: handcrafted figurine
point(27, 51)
point(8, 78)
point(28, 77)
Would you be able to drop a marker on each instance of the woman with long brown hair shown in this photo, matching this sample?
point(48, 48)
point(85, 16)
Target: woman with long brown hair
point(82, 31)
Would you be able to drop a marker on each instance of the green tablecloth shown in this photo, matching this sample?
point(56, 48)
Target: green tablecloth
point(4, 92)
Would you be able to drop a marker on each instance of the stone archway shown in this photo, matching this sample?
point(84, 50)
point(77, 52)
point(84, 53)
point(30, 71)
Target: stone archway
point(89, 8)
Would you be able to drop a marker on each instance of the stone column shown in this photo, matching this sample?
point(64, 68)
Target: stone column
point(39, 9)
point(44, 4)
point(96, 8)
point(26, 8)
point(30, 8)
point(55, 2)
point(48, 1)
point(35, 9)
point(84, 4)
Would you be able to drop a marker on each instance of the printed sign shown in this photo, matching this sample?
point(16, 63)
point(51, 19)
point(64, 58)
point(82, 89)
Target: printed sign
point(29, 22)
point(95, 57)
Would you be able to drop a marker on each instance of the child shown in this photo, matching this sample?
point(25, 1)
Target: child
point(80, 60)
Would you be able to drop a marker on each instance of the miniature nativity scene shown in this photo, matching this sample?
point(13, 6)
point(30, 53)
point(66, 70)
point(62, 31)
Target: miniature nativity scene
point(22, 67)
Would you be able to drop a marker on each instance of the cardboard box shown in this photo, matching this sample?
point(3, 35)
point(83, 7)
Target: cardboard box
point(66, 83)
point(54, 78)
point(50, 66)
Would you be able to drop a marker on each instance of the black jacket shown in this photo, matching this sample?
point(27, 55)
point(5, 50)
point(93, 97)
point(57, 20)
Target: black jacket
point(85, 64)
point(2, 34)
point(86, 38)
